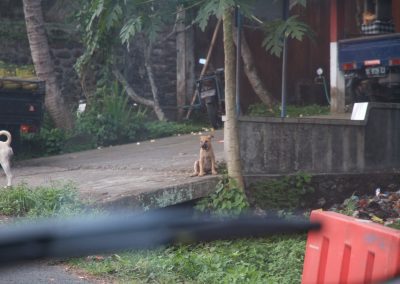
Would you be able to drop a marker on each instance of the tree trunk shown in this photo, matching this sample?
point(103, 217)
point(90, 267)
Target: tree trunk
point(251, 72)
point(180, 62)
point(231, 137)
point(130, 91)
point(157, 109)
point(44, 68)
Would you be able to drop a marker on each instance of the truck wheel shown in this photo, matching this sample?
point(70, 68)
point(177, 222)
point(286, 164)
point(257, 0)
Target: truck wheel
point(356, 91)
point(212, 112)
point(16, 139)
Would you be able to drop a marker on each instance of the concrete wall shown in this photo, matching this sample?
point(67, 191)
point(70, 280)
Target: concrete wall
point(315, 145)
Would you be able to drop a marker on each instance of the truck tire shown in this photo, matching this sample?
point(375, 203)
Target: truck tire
point(356, 91)
point(213, 116)
point(16, 139)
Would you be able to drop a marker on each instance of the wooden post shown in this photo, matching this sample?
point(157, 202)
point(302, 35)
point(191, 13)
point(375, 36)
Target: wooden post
point(336, 76)
point(190, 63)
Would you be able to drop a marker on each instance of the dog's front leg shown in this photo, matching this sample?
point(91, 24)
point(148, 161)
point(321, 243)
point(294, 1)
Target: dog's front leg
point(196, 169)
point(201, 166)
point(213, 166)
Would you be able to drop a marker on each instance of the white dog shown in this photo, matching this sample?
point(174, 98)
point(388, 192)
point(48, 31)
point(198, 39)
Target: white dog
point(6, 154)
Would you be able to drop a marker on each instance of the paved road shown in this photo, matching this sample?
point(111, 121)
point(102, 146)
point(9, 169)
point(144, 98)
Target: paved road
point(115, 173)
point(109, 175)
point(42, 273)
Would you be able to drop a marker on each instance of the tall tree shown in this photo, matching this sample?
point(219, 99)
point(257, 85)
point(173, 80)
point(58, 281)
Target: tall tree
point(275, 31)
point(44, 67)
point(231, 137)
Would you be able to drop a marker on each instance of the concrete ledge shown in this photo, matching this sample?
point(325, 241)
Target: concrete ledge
point(165, 196)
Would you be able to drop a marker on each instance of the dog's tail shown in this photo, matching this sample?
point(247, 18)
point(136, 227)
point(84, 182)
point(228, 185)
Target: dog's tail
point(8, 134)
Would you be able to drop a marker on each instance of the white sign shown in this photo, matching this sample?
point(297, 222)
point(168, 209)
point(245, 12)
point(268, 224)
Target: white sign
point(359, 111)
point(81, 108)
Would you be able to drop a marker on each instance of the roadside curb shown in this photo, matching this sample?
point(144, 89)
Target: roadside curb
point(164, 196)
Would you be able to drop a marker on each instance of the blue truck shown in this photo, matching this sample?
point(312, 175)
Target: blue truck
point(371, 67)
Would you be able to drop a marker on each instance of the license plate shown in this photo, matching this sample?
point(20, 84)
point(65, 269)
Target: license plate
point(208, 93)
point(379, 71)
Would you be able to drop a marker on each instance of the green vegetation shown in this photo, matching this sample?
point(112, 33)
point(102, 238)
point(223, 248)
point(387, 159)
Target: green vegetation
point(49, 141)
point(349, 205)
point(287, 192)
point(158, 129)
point(278, 259)
point(291, 110)
point(43, 201)
point(395, 225)
point(52, 141)
point(110, 119)
point(224, 201)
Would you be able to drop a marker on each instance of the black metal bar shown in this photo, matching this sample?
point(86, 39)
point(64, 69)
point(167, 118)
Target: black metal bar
point(284, 60)
point(58, 238)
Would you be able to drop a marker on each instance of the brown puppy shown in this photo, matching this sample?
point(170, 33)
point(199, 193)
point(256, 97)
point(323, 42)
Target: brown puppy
point(206, 163)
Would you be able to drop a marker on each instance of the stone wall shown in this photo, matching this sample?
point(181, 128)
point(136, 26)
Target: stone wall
point(64, 45)
point(66, 48)
point(320, 146)
point(163, 62)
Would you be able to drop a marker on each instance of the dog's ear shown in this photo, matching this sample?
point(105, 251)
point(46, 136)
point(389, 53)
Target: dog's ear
point(210, 136)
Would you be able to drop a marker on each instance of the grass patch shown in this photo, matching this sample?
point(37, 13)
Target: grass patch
point(43, 201)
point(159, 129)
point(277, 259)
point(287, 193)
point(291, 110)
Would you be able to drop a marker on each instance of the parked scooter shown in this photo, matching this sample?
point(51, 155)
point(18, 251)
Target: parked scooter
point(211, 91)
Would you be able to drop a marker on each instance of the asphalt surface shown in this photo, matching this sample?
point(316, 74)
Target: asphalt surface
point(110, 175)
point(42, 273)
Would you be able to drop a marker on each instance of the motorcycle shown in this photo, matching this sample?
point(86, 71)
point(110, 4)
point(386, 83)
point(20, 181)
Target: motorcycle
point(210, 89)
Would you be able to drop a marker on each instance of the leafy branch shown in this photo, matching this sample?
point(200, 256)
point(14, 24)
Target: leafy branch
point(276, 31)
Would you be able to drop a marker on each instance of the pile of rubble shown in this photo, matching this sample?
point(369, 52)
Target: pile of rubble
point(383, 208)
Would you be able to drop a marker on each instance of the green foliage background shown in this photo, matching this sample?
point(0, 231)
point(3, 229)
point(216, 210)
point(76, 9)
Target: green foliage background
point(291, 110)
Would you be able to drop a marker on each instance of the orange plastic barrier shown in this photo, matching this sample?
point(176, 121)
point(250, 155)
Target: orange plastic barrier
point(350, 250)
